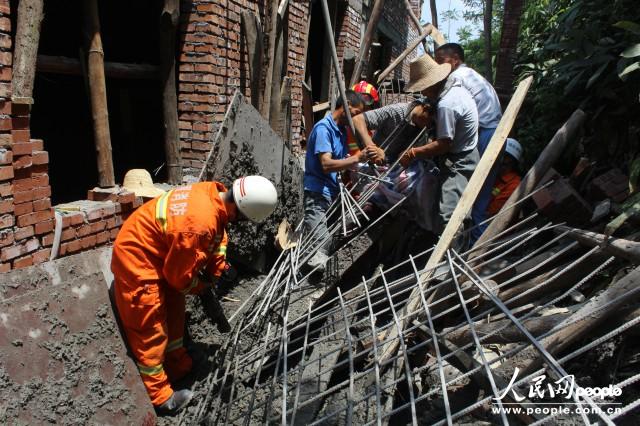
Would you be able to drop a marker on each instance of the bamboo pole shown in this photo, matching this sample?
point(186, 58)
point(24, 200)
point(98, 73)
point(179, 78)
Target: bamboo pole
point(98, 94)
point(168, 27)
point(416, 23)
point(30, 15)
point(425, 32)
point(363, 56)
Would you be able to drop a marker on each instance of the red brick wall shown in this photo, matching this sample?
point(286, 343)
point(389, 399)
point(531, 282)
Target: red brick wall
point(212, 63)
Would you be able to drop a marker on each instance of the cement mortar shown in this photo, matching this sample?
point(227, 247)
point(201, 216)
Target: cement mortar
point(63, 360)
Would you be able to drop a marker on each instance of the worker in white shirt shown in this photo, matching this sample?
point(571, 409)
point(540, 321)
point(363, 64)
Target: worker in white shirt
point(489, 115)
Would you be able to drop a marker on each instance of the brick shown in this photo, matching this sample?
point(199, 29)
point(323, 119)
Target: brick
point(22, 196)
point(83, 231)
point(41, 256)
point(20, 109)
point(5, 267)
point(68, 234)
point(40, 181)
point(21, 136)
point(561, 203)
point(114, 233)
point(24, 208)
point(20, 185)
point(70, 247)
point(25, 232)
point(98, 226)
point(6, 172)
point(22, 162)
point(22, 148)
point(20, 123)
point(41, 204)
point(5, 106)
point(6, 238)
point(6, 156)
point(37, 144)
point(44, 227)
point(23, 262)
point(6, 189)
point(614, 184)
point(6, 221)
point(33, 218)
point(102, 237)
point(17, 250)
point(42, 192)
point(40, 157)
point(88, 242)
point(6, 206)
point(47, 240)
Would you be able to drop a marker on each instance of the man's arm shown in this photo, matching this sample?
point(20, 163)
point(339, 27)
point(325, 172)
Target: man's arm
point(432, 149)
point(330, 165)
point(376, 154)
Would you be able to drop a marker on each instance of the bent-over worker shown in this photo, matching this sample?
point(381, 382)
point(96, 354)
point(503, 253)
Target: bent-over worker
point(456, 131)
point(175, 245)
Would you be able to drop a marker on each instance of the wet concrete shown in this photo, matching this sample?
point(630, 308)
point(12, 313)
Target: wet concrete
point(62, 358)
point(246, 145)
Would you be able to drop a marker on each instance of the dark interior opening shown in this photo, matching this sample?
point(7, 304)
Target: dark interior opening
point(61, 114)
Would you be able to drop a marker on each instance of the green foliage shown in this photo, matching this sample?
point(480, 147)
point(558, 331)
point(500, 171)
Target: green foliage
point(474, 47)
point(582, 53)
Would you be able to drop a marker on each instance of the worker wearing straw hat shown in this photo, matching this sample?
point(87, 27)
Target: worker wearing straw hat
point(456, 130)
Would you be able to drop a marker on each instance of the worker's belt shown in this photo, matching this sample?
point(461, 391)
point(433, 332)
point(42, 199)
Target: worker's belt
point(150, 371)
point(161, 210)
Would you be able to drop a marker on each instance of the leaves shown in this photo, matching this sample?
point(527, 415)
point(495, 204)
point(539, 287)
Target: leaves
point(631, 51)
point(628, 26)
point(629, 69)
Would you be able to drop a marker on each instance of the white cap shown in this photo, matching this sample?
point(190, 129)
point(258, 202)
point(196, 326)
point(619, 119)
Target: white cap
point(255, 197)
point(514, 149)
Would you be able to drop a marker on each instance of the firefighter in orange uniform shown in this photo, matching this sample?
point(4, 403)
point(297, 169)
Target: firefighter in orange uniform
point(164, 251)
point(508, 179)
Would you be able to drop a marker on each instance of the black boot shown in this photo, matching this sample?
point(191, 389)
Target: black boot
point(177, 402)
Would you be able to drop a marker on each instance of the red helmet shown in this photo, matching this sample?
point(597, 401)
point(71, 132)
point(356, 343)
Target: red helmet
point(365, 88)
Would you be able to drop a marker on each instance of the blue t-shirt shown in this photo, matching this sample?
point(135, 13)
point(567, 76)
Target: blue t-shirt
point(326, 136)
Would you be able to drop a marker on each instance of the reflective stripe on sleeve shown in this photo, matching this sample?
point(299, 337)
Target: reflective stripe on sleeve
point(150, 371)
point(161, 210)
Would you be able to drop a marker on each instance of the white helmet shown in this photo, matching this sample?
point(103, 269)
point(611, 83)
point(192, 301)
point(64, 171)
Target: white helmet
point(514, 149)
point(255, 197)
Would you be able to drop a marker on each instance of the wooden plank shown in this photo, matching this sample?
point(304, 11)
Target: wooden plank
point(363, 58)
point(414, 43)
point(547, 158)
point(253, 35)
point(619, 247)
point(167, 40)
point(27, 39)
point(98, 94)
point(72, 66)
point(460, 213)
point(265, 107)
point(321, 107)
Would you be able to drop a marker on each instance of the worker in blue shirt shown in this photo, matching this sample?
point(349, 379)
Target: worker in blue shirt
point(326, 156)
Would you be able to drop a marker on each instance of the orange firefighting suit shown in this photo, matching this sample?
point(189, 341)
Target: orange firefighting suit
point(156, 259)
point(502, 190)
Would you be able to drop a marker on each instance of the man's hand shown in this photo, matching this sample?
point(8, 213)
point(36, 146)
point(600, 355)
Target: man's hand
point(407, 157)
point(371, 153)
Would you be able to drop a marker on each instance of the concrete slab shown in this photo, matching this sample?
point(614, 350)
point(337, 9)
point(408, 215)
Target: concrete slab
point(246, 145)
point(62, 359)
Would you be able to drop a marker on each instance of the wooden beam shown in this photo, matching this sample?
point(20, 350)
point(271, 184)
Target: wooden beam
point(459, 214)
point(254, 35)
point(619, 247)
point(98, 94)
point(547, 158)
point(72, 66)
point(274, 28)
point(414, 43)
point(27, 39)
point(415, 21)
point(363, 58)
point(167, 40)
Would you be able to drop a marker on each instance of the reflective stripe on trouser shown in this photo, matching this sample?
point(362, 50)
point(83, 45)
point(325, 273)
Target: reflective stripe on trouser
point(152, 316)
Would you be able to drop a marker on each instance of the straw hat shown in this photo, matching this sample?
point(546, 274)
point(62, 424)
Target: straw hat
point(140, 183)
point(424, 72)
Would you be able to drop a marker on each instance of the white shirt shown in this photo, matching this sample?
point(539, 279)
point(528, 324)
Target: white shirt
point(457, 117)
point(483, 93)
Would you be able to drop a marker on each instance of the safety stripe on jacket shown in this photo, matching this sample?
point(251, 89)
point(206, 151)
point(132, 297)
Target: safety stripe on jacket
point(161, 210)
point(150, 371)
point(222, 251)
point(174, 344)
